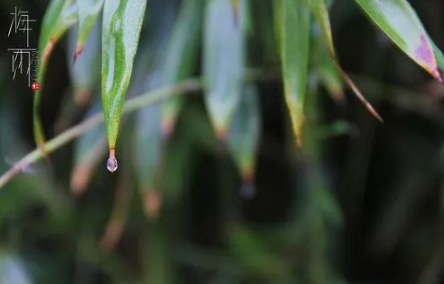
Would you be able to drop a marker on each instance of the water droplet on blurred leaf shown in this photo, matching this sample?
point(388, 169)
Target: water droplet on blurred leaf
point(111, 164)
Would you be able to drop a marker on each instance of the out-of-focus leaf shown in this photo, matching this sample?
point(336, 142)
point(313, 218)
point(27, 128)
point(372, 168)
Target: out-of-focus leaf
point(243, 134)
point(12, 270)
point(122, 22)
point(85, 73)
point(320, 12)
point(398, 20)
point(116, 224)
point(148, 147)
point(325, 67)
point(180, 57)
point(157, 252)
point(89, 150)
point(59, 16)
point(295, 39)
point(148, 150)
point(254, 254)
point(224, 60)
point(87, 11)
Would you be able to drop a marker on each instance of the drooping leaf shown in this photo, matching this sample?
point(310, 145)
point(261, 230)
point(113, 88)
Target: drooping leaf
point(180, 57)
point(325, 67)
point(320, 12)
point(59, 16)
point(224, 60)
point(398, 20)
point(13, 269)
point(87, 11)
point(122, 22)
point(147, 148)
point(85, 73)
point(243, 134)
point(295, 39)
point(148, 141)
point(89, 150)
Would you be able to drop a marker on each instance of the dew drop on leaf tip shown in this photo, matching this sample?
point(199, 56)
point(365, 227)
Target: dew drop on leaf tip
point(111, 164)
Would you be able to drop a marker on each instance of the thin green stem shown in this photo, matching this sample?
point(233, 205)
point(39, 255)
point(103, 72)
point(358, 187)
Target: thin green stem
point(143, 100)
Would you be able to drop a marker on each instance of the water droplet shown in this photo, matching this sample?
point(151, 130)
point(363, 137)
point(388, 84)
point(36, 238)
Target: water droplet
point(111, 164)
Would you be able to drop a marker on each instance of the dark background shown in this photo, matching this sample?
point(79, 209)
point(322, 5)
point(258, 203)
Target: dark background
point(386, 179)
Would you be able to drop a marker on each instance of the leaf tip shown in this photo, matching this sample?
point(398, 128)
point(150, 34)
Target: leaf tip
point(82, 96)
point(48, 49)
point(167, 127)
point(152, 201)
point(77, 52)
point(80, 178)
point(248, 190)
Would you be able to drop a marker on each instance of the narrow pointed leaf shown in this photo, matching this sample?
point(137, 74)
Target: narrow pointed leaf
point(89, 150)
point(148, 147)
point(88, 10)
point(181, 57)
point(398, 20)
point(325, 67)
point(224, 61)
point(295, 28)
point(243, 135)
point(148, 141)
point(122, 22)
point(85, 73)
point(59, 16)
point(320, 12)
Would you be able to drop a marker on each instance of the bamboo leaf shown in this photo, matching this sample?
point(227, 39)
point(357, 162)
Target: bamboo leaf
point(148, 142)
point(295, 38)
point(320, 12)
point(243, 135)
point(224, 61)
point(85, 73)
point(89, 150)
point(59, 16)
point(398, 20)
point(122, 22)
point(325, 67)
point(180, 57)
point(88, 10)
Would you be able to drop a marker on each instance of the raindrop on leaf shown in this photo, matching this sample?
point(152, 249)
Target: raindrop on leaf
point(111, 164)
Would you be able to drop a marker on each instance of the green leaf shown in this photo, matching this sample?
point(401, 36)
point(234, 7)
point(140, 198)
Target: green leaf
point(122, 22)
point(180, 57)
point(88, 10)
point(325, 67)
point(398, 20)
point(89, 150)
point(147, 147)
point(244, 133)
point(224, 60)
point(320, 12)
point(59, 16)
point(85, 73)
point(295, 38)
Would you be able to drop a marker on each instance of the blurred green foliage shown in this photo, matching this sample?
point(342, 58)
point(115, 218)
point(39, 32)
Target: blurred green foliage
point(360, 202)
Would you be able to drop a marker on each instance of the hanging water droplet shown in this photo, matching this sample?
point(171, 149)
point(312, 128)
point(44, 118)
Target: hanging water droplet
point(111, 164)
